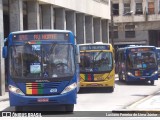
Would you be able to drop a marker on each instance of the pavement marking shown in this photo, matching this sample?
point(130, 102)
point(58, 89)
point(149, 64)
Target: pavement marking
point(151, 103)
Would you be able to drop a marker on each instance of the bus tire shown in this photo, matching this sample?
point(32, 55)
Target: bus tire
point(120, 77)
point(18, 108)
point(152, 82)
point(69, 108)
point(111, 89)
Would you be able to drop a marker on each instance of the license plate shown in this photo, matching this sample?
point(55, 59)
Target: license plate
point(142, 78)
point(42, 100)
point(94, 85)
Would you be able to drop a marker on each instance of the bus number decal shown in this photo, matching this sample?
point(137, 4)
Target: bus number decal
point(53, 90)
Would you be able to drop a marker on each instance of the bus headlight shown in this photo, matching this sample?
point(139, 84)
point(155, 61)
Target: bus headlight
point(130, 74)
point(69, 88)
point(154, 73)
point(15, 90)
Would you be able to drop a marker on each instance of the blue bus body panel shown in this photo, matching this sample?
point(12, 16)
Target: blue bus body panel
point(45, 87)
point(19, 100)
point(158, 59)
point(55, 98)
point(142, 78)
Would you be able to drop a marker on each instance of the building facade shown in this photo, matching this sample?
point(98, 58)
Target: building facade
point(136, 22)
point(87, 19)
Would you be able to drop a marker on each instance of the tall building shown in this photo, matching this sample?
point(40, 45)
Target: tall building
point(87, 19)
point(136, 22)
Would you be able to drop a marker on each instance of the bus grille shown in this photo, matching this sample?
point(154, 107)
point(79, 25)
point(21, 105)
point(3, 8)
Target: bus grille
point(139, 73)
point(39, 88)
point(89, 77)
point(92, 78)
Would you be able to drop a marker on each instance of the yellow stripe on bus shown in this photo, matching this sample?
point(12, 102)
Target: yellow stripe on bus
point(28, 89)
point(82, 77)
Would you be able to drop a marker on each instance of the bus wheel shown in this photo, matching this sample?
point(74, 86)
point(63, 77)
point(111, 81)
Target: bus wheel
point(111, 89)
point(69, 108)
point(120, 77)
point(18, 108)
point(152, 82)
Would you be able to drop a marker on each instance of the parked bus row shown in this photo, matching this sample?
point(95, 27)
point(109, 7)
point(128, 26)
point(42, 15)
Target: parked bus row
point(47, 67)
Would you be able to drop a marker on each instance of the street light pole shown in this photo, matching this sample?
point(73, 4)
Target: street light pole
point(112, 25)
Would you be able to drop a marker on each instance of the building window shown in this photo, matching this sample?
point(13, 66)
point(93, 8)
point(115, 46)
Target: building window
point(139, 8)
point(115, 9)
point(115, 32)
point(129, 27)
point(130, 34)
point(150, 7)
point(127, 9)
point(130, 31)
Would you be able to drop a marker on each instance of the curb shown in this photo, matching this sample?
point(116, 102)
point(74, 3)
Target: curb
point(134, 106)
point(5, 99)
point(138, 102)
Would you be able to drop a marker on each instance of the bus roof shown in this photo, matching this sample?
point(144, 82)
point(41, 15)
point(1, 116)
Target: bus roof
point(135, 47)
point(158, 48)
point(38, 31)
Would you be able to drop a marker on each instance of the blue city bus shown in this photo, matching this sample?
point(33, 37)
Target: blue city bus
point(42, 68)
point(137, 63)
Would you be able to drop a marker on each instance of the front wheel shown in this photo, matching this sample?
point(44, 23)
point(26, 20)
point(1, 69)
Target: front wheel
point(111, 89)
point(18, 108)
point(69, 108)
point(152, 82)
point(120, 77)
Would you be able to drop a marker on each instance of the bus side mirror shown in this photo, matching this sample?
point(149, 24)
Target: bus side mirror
point(77, 54)
point(5, 52)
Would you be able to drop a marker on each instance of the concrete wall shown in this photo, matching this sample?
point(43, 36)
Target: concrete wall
point(91, 7)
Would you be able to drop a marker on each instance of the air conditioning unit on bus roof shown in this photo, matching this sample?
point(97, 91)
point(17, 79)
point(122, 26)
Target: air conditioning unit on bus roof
point(98, 42)
point(133, 45)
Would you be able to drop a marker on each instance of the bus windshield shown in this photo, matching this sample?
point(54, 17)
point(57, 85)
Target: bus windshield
point(142, 60)
point(96, 61)
point(158, 54)
point(41, 61)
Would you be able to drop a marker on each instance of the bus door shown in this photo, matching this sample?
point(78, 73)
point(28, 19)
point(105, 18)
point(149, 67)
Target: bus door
point(121, 65)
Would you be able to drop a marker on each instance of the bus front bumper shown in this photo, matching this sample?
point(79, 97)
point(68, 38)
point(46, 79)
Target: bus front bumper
point(107, 83)
point(22, 100)
point(142, 78)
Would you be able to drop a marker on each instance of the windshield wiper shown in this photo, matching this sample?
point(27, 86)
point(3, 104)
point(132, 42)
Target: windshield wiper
point(99, 54)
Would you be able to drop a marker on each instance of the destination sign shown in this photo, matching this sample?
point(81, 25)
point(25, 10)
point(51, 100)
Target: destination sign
point(141, 49)
point(94, 47)
point(40, 36)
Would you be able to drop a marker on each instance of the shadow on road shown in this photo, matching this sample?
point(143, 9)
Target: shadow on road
point(140, 83)
point(141, 95)
point(94, 90)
